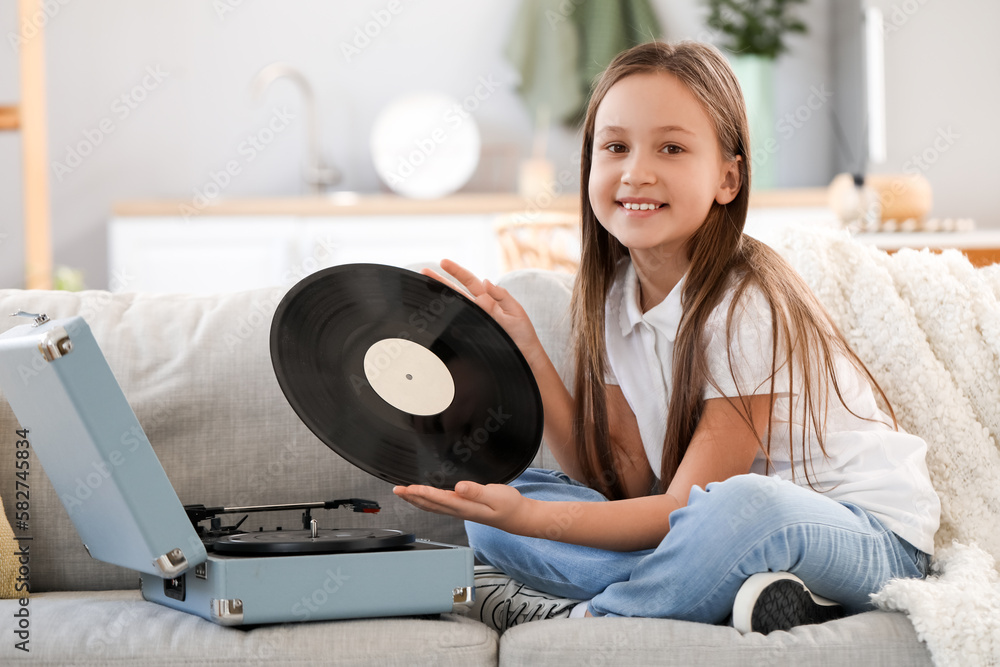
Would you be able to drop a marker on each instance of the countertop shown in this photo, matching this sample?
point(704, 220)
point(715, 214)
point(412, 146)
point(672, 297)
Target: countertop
point(350, 203)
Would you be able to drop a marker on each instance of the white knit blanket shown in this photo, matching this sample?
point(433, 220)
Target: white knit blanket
point(928, 327)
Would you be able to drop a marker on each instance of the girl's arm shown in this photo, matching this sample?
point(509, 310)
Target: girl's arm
point(626, 442)
point(557, 404)
point(723, 446)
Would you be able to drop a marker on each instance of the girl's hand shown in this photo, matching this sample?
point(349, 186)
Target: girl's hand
point(496, 301)
point(496, 505)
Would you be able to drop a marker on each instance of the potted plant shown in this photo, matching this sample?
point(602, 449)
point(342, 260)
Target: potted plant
point(755, 27)
point(754, 32)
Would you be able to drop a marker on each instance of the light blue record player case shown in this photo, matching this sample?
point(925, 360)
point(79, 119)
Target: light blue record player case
point(125, 510)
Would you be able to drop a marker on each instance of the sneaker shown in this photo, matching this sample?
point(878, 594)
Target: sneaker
point(779, 601)
point(502, 602)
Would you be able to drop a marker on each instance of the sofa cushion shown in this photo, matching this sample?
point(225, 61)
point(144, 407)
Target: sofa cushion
point(872, 638)
point(197, 372)
point(119, 627)
point(545, 296)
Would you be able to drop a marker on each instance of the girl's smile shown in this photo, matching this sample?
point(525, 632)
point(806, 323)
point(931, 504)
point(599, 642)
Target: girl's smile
point(640, 207)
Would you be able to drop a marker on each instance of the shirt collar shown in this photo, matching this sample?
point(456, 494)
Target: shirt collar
point(665, 316)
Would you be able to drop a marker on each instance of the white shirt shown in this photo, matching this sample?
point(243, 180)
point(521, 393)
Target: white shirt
point(869, 464)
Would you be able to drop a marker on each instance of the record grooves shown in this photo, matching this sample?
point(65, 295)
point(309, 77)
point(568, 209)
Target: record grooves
point(405, 377)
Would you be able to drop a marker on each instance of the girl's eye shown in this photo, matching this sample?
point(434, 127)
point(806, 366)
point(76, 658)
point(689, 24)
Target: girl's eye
point(672, 149)
point(616, 148)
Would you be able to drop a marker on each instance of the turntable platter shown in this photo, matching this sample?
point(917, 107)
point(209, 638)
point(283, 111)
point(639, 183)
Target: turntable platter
point(278, 542)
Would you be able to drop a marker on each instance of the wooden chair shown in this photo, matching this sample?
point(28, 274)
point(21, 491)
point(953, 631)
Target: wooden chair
point(541, 241)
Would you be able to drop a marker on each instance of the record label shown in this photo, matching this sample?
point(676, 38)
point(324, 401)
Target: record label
point(409, 377)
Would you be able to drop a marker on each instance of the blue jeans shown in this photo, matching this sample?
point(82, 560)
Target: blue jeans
point(726, 533)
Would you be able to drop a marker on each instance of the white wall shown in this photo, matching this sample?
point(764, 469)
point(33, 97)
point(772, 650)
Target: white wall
point(942, 98)
point(196, 112)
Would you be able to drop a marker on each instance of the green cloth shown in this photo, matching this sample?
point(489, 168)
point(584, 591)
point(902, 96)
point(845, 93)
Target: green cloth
point(560, 47)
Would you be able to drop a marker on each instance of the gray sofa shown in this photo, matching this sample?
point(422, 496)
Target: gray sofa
point(197, 373)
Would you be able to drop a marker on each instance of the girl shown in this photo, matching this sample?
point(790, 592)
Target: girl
point(723, 444)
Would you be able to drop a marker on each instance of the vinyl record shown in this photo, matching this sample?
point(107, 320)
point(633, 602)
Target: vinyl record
point(405, 377)
point(345, 540)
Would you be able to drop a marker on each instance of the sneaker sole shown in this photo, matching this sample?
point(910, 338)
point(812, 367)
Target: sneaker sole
point(773, 601)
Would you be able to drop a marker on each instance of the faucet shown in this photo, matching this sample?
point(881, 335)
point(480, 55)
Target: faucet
point(318, 175)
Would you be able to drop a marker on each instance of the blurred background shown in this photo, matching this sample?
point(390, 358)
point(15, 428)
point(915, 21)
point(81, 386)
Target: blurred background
point(152, 101)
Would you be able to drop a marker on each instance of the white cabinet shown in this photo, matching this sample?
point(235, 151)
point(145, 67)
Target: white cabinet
point(467, 239)
point(232, 252)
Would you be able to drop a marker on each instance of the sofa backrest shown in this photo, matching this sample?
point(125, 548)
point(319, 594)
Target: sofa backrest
point(197, 372)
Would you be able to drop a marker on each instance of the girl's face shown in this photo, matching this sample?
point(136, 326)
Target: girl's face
point(657, 166)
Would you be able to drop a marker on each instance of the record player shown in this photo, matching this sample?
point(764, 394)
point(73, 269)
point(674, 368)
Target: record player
point(397, 373)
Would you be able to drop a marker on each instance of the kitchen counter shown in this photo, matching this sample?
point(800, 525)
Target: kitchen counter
point(353, 203)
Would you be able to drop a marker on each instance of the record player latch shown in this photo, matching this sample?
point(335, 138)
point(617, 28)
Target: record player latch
point(39, 318)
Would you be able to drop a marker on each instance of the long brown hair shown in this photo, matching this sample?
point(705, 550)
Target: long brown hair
point(806, 342)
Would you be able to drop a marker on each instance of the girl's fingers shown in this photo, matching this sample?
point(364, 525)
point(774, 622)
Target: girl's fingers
point(431, 273)
point(507, 303)
point(498, 293)
point(439, 501)
point(464, 276)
